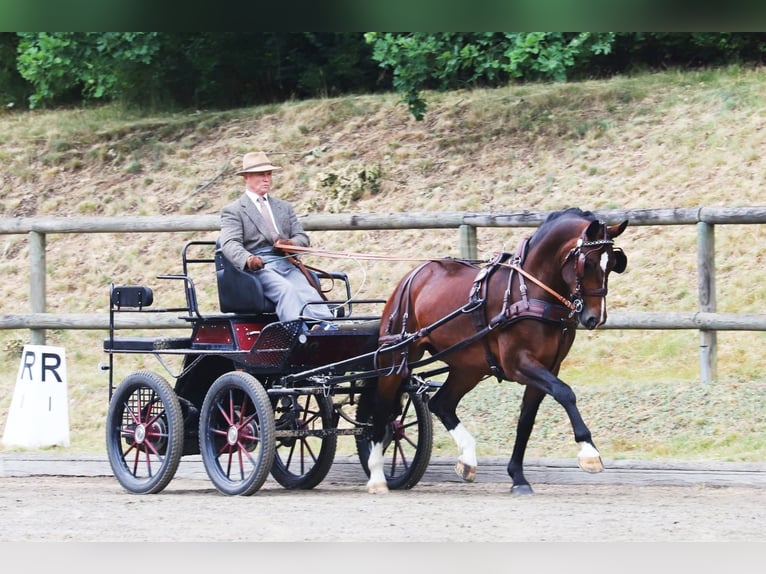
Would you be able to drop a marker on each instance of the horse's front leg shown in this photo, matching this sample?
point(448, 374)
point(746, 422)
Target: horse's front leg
point(589, 459)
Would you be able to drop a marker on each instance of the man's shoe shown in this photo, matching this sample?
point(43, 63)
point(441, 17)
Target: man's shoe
point(324, 326)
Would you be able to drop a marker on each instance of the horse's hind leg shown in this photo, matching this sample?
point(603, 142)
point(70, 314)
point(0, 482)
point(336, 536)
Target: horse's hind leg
point(443, 405)
point(384, 401)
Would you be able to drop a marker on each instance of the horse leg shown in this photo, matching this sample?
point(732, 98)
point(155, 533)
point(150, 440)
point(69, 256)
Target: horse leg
point(383, 406)
point(588, 458)
point(443, 405)
point(377, 481)
point(530, 403)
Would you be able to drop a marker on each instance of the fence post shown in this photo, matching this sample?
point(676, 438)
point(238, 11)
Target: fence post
point(468, 248)
point(707, 299)
point(37, 282)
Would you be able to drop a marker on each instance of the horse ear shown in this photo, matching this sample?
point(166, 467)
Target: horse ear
point(620, 260)
point(593, 230)
point(615, 230)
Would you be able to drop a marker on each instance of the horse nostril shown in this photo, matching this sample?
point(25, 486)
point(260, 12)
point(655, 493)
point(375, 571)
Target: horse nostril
point(591, 323)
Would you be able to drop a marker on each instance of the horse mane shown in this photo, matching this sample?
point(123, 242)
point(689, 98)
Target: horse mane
point(554, 216)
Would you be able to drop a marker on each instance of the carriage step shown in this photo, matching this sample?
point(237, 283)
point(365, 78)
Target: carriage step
point(146, 343)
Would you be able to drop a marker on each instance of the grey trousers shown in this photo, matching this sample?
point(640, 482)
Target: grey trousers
point(284, 284)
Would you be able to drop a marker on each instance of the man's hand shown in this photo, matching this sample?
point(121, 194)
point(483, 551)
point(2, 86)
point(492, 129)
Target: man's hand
point(254, 263)
point(282, 243)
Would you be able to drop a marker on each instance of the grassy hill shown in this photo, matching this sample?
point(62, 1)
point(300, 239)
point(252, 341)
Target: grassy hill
point(664, 140)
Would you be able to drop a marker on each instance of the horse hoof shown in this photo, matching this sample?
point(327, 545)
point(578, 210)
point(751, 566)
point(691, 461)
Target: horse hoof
point(521, 490)
point(465, 471)
point(379, 488)
point(591, 464)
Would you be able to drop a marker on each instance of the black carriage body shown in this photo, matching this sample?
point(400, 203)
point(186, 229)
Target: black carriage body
point(269, 350)
point(266, 346)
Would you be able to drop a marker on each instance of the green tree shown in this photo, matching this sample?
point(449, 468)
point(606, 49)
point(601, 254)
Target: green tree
point(442, 61)
point(420, 61)
point(160, 70)
point(98, 65)
point(193, 69)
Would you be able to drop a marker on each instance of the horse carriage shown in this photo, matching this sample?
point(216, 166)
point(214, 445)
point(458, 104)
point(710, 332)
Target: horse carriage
point(255, 396)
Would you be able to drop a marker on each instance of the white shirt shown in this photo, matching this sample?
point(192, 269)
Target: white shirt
point(254, 197)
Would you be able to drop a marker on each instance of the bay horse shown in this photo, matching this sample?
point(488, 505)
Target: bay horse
point(515, 319)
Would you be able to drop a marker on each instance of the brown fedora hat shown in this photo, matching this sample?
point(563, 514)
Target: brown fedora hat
point(255, 162)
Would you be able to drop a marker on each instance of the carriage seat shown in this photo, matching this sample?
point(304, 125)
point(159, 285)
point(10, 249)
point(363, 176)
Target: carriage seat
point(239, 291)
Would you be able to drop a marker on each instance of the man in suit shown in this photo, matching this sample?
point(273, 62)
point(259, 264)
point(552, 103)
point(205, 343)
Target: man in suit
point(251, 225)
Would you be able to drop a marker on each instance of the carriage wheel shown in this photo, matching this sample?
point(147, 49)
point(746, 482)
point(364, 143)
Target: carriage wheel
point(236, 434)
point(407, 444)
point(303, 460)
point(144, 433)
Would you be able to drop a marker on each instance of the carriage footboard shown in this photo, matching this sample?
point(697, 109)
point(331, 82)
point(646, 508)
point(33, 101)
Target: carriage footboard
point(146, 344)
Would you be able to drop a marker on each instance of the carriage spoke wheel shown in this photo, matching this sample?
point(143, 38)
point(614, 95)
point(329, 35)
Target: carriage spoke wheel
point(236, 434)
point(144, 433)
point(407, 444)
point(306, 441)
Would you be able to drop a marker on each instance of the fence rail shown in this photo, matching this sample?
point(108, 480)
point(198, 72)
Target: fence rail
point(372, 221)
point(706, 319)
point(617, 320)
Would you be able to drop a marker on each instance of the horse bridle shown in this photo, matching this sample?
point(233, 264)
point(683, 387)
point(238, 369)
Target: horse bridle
point(580, 253)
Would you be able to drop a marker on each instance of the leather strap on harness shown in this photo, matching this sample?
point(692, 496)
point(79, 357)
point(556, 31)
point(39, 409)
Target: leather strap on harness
point(529, 308)
point(511, 312)
point(477, 300)
point(404, 298)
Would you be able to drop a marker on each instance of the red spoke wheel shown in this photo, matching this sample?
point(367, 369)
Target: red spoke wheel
point(408, 442)
point(306, 440)
point(236, 434)
point(144, 433)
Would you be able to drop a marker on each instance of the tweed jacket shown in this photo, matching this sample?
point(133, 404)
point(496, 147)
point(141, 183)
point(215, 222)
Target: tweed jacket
point(243, 230)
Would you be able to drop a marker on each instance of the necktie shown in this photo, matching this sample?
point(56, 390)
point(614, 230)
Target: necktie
point(266, 214)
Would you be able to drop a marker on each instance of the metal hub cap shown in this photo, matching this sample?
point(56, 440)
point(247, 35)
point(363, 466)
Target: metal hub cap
point(232, 435)
point(140, 434)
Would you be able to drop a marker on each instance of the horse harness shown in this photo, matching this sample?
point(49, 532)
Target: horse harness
point(512, 312)
point(525, 308)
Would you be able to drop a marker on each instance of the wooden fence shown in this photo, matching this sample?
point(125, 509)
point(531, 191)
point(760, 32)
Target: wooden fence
point(706, 320)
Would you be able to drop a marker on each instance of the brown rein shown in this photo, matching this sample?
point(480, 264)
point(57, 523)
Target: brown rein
point(296, 249)
point(564, 301)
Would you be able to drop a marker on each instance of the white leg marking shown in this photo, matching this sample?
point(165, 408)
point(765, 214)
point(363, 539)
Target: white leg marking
point(466, 445)
point(587, 450)
point(377, 481)
point(589, 458)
